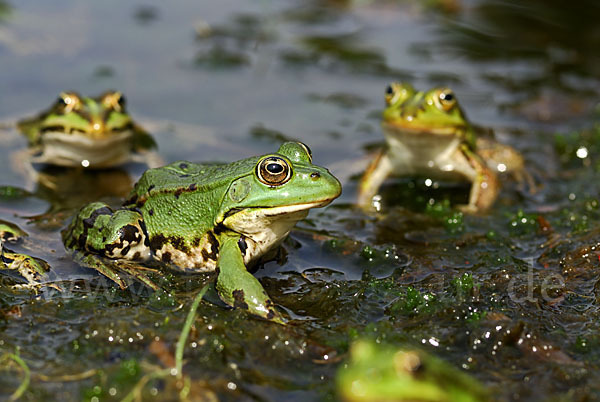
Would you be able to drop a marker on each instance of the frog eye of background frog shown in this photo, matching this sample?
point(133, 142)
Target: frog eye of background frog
point(68, 101)
point(307, 149)
point(446, 99)
point(397, 91)
point(273, 171)
point(389, 93)
point(114, 100)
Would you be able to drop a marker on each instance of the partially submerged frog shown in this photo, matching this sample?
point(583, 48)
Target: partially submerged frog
point(200, 218)
point(427, 133)
point(380, 372)
point(32, 269)
point(87, 132)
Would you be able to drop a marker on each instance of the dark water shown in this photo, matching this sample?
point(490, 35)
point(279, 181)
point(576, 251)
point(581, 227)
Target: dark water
point(231, 79)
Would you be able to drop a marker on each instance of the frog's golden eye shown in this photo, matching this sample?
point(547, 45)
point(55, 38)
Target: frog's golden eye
point(121, 102)
point(114, 100)
point(446, 99)
point(308, 151)
point(68, 101)
point(389, 94)
point(273, 171)
point(398, 92)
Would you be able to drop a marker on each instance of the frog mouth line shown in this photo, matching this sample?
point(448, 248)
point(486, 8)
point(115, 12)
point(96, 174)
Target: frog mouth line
point(88, 138)
point(283, 210)
point(58, 129)
point(288, 209)
point(398, 128)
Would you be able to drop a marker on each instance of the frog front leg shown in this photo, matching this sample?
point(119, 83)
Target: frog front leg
point(143, 148)
point(238, 287)
point(484, 182)
point(109, 241)
point(22, 163)
point(148, 157)
point(372, 179)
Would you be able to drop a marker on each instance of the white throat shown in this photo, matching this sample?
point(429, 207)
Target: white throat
point(72, 149)
point(421, 153)
point(265, 228)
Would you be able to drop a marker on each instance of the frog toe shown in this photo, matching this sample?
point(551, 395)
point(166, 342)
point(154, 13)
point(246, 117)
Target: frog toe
point(118, 272)
point(260, 305)
point(250, 297)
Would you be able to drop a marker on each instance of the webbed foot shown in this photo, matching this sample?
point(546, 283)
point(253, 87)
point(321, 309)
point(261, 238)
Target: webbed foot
point(115, 270)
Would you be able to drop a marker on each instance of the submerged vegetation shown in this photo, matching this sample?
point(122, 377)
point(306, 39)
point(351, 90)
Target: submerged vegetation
point(505, 303)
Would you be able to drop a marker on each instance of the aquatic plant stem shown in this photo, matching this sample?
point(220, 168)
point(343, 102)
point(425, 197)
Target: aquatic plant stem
point(136, 393)
point(25, 383)
point(185, 331)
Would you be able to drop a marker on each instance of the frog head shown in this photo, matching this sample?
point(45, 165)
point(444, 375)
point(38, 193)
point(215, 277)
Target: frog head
point(96, 118)
point(264, 204)
point(89, 132)
point(435, 113)
point(384, 372)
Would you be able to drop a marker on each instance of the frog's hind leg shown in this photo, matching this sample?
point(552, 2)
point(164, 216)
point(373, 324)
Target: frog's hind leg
point(109, 241)
point(372, 179)
point(112, 269)
point(525, 181)
point(503, 158)
point(95, 262)
point(33, 270)
point(239, 288)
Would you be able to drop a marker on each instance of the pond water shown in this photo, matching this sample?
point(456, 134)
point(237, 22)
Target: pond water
point(510, 296)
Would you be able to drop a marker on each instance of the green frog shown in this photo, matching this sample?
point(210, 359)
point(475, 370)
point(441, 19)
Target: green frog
point(32, 269)
point(87, 132)
point(200, 218)
point(380, 372)
point(427, 133)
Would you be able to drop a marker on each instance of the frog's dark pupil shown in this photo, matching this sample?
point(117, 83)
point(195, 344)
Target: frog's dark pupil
point(274, 168)
point(389, 90)
point(121, 101)
point(447, 97)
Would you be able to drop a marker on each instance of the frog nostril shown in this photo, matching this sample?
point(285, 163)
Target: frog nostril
point(315, 175)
